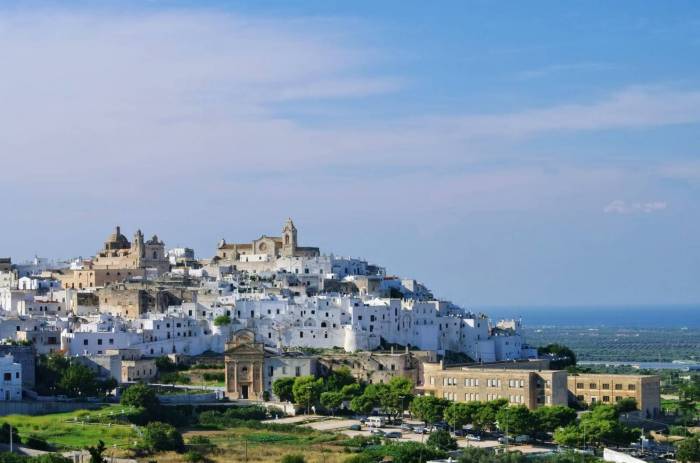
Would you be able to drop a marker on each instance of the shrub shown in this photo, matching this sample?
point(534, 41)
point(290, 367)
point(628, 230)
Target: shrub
point(222, 320)
point(159, 436)
point(193, 456)
point(214, 376)
point(174, 378)
point(293, 458)
point(200, 440)
point(442, 440)
point(37, 443)
point(139, 396)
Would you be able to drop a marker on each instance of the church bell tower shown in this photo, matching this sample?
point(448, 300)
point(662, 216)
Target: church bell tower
point(289, 238)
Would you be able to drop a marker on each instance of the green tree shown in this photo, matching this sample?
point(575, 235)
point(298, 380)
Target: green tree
point(351, 390)
point(78, 381)
point(688, 450)
point(5, 434)
point(564, 356)
point(140, 396)
point(517, 419)
point(307, 391)
point(332, 400)
point(164, 364)
point(339, 378)
point(549, 419)
point(222, 320)
point(442, 440)
point(598, 427)
point(485, 418)
point(428, 408)
point(159, 436)
point(49, 370)
point(569, 436)
point(393, 397)
point(282, 388)
point(410, 452)
point(457, 414)
point(625, 405)
point(96, 452)
point(363, 404)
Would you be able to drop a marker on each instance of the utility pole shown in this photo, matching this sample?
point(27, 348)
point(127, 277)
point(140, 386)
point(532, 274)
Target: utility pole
point(10, 438)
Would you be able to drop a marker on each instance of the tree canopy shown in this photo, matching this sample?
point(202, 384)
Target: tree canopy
point(428, 408)
point(282, 388)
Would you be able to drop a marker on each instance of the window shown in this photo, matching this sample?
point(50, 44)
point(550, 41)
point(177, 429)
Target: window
point(297, 371)
point(85, 342)
point(8, 376)
point(606, 386)
point(99, 342)
point(593, 386)
point(618, 387)
point(301, 334)
point(606, 398)
point(631, 387)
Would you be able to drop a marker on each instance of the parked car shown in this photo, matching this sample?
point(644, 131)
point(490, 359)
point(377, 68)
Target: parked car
point(377, 432)
point(522, 439)
point(406, 427)
point(355, 427)
point(420, 430)
point(459, 433)
point(393, 435)
point(376, 421)
point(503, 440)
point(474, 437)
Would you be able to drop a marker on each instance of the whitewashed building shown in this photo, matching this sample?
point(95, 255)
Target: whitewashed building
point(10, 378)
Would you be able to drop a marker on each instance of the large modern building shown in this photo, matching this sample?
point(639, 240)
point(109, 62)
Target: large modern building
point(532, 388)
point(608, 389)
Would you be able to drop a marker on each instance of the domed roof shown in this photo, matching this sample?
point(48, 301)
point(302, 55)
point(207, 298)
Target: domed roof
point(116, 240)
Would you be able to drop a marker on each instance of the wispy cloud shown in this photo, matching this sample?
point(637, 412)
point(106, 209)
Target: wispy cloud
point(619, 206)
point(555, 69)
point(634, 107)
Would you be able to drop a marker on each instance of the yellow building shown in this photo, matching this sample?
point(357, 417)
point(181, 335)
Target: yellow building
point(532, 388)
point(94, 278)
point(608, 389)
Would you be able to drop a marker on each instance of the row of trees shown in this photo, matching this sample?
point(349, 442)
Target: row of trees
point(489, 415)
point(601, 426)
point(340, 386)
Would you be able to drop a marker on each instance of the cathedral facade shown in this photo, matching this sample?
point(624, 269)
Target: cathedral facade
point(264, 251)
point(119, 253)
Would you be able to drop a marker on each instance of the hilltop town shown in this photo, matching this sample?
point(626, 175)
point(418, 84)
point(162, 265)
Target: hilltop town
point(260, 321)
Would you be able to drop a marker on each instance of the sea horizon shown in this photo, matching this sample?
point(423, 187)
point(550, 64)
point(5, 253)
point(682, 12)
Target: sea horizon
point(612, 316)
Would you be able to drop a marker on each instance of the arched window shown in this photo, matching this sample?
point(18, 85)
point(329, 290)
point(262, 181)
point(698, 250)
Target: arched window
point(155, 254)
point(286, 239)
point(323, 324)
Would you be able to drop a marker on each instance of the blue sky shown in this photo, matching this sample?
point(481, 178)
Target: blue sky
point(504, 154)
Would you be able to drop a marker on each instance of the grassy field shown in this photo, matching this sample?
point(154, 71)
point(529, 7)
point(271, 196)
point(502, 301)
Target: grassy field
point(79, 429)
point(67, 431)
point(266, 446)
